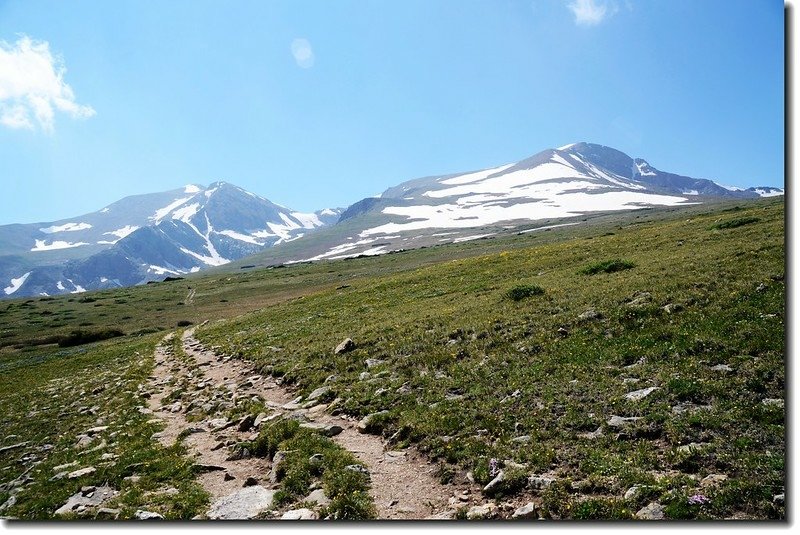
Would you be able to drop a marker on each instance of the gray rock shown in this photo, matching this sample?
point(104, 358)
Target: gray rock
point(689, 448)
point(444, 515)
point(589, 315)
point(540, 482)
point(346, 345)
point(522, 439)
point(779, 499)
point(107, 513)
point(277, 459)
point(243, 504)
point(299, 514)
point(525, 512)
point(318, 496)
point(592, 435)
point(621, 421)
point(319, 392)
point(633, 492)
point(478, 512)
point(371, 363)
point(82, 472)
point(363, 376)
point(87, 497)
point(721, 368)
point(367, 421)
point(637, 395)
point(246, 423)
point(14, 446)
point(651, 511)
point(713, 480)
point(250, 481)
point(358, 469)
point(773, 402)
point(494, 485)
point(259, 419)
point(328, 430)
point(95, 430)
point(147, 515)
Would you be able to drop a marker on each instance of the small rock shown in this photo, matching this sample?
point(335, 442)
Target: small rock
point(689, 448)
point(147, 515)
point(259, 419)
point(651, 511)
point(773, 402)
point(318, 496)
point(319, 392)
point(371, 363)
point(95, 430)
point(107, 513)
point(637, 395)
point(82, 472)
point(589, 315)
point(633, 492)
point(277, 460)
point(540, 482)
point(762, 287)
point(621, 421)
point(87, 497)
point(367, 422)
point(522, 439)
point(592, 435)
point(218, 423)
point(328, 430)
point(721, 368)
point(299, 514)
point(246, 423)
point(713, 480)
point(527, 511)
point(671, 308)
point(346, 345)
point(493, 486)
point(228, 477)
point(250, 481)
point(779, 499)
point(358, 469)
point(243, 504)
point(478, 512)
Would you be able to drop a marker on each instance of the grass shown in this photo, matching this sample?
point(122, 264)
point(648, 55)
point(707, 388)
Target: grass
point(465, 368)
point(735, 223)
point(608, 266)
point(518, 293)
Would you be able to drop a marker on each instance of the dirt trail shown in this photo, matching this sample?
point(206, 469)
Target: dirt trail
point(403, 483)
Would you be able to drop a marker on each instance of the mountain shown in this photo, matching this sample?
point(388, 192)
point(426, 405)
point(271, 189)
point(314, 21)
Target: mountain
point(147, 237)
point(556, 186)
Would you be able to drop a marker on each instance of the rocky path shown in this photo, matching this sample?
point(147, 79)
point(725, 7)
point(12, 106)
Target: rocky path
point(403, 483)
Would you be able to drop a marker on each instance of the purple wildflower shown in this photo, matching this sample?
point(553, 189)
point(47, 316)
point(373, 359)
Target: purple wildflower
point(493, 469)
point(698, 499)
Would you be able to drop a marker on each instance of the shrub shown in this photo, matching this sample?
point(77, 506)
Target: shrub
point(518, 293)
point(609, 266)
point(733, 223)
point(80, 337)
point(184, 323)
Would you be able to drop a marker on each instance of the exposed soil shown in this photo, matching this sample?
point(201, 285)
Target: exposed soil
point(403, 483)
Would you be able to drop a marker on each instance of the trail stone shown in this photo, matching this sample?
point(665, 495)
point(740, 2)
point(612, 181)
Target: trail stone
point(540, 482)
point(243, 504)
point(651, 511)
point(371, 363)
point(87, 497)
point(328, 430)
point(147, 515)
point(633, 492)
point(13, 446)
point(637, 395)
point(527, 511)
point(318, 496)
point(299, 514)
point(713, 480)
point(346, 345)
point(246, 423)
point(478, 512)
point(259, 419)
point(367, 421)
point(621, 421)
point(319, 392)
point(358, 469)
point(82, 472)
point(493, 485)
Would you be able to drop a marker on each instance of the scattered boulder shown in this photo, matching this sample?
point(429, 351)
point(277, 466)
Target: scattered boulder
point(689, 448)
point(639, 299)
point(540, 482)
point(495, 484)
point(250, 482)
point(651, 511)
point(522, 439)
point(590, 315)
point(82, 472)
point(721, 368)
point(713, 480)
point(346, 345)
point(318, 496)
point(371, 363)
point(621, 421)
point(591, 435)
point(527, 511)
point(319, 392)
point(299, 514)
point(479, 512)
point(244, 504)
point(246, 423)
point(277, 460)
point(87, 497)
point(328, 430)
point(147, 515)
point(368, 423)
point(633, 492)
point(638, 395)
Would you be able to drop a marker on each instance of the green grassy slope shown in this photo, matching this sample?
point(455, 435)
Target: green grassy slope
point(464, 370)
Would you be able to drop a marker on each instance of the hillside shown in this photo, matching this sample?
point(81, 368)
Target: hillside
point(629, 367)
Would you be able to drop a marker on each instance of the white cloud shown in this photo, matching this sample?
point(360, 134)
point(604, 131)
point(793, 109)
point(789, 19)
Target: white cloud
point(302, 52)
point(590, 12)
point(32, 86)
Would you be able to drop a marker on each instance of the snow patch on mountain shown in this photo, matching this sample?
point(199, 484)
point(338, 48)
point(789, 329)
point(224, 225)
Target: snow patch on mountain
point(163, 212)
point(772, 192)
point(66, 227)
point(241, 237)
point(42, 246)
point(474, 177)
point(121, 232)
point(185, 213)
point(307, 220)
point(16, 284)
point(191, 188)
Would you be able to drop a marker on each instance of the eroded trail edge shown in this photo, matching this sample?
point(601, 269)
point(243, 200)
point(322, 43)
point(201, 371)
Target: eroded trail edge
point(403, 483)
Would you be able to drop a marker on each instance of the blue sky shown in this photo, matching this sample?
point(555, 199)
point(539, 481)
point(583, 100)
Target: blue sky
point(315, 104)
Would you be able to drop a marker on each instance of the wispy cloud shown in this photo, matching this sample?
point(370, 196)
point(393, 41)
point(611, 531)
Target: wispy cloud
point(303, 53)
point(590, 12)
point(32, 86)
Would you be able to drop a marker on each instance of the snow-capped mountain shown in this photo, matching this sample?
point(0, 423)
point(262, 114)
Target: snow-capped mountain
point(147, 237)
point(569, 181)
